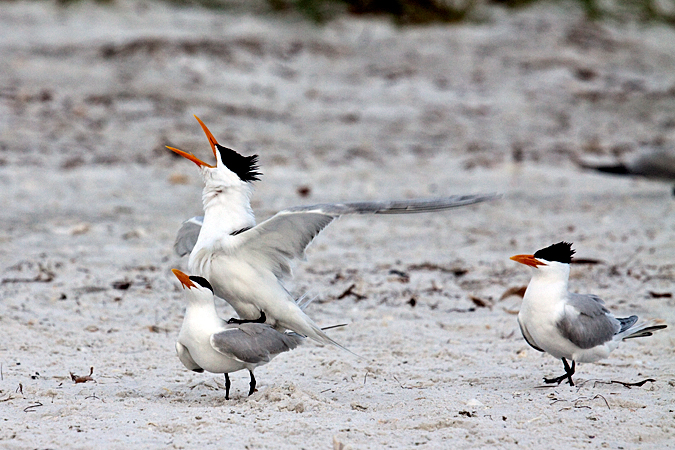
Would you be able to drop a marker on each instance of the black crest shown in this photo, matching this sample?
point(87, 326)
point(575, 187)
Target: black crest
point(203, 282)
point(561, 252)
point(246, 167)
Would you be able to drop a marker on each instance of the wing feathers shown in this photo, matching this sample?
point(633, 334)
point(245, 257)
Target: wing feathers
point(253, 343)
point(586, 322)
point(310, 224)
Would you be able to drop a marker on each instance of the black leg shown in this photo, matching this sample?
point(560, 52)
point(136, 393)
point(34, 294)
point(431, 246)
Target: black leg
point(569, 371)
point(261, 319)
point(252, 390)
point(227, 387)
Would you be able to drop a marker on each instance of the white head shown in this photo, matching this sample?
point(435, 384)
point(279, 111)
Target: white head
point(199, 289)
point(552, 262)
point(232, 174)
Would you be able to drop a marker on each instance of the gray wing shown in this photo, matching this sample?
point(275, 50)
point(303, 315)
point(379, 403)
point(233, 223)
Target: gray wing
point(527, 336)
point(397, 206)
point(317, 217)
point(586, 322)
point(253, 343)
point(187, 235)
point(275, 242)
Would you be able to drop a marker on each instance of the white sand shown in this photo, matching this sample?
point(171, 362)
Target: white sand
point(89, 96)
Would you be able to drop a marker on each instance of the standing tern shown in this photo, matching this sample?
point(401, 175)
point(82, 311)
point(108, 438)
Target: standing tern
point(245, 262)
point(206, 342)
point(566, 325)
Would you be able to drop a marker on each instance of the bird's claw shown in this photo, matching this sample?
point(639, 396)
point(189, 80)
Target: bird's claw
point(556, 380)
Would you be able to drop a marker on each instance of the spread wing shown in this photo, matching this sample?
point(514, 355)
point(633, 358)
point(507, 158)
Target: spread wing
point(253, 343)
point(299, 225)
point(275, 242)
point(187, 235)
point(586, 322)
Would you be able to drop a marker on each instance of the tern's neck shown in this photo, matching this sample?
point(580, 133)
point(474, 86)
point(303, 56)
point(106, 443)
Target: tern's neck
point(226, 209)
point(548, 285)
point(201, 309)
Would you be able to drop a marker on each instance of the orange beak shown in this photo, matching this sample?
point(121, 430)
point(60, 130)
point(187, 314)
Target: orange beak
point(184, 279)
point(528, 260)
point(209, 136)
point(191, 157)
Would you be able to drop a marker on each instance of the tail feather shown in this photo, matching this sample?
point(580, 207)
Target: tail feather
point(339, 325)
point(318, 335)
point(642, 330)
point(626, 322)
point(312, 331)
point(303, 325)
point(304, 301)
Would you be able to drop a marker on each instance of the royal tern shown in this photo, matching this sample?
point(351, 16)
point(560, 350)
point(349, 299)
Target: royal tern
point(566, 325)
point(246, 262)
point(206, 342)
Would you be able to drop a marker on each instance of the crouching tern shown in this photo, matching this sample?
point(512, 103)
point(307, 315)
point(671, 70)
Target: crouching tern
point(246, 263)
point(206, 342)
point(567, 325)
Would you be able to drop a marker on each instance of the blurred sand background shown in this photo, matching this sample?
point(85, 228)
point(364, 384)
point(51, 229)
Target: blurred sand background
point(356, 109)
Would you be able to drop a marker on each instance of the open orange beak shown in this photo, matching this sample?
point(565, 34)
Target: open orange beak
point(191, 157)
point(184, 279)
point(528, 260)
point(209, 136)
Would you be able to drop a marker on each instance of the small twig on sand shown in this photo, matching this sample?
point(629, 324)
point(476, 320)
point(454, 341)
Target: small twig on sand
point(350, 291)
point(44, 276)
point(638, 384)
point(625, 384)
point(31, 407)
point(602, 397)
point(94, 397)
point(9, 397)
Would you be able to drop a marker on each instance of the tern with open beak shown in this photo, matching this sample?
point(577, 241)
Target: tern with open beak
point(566, 325)
point(206, 342)
point(245, 262)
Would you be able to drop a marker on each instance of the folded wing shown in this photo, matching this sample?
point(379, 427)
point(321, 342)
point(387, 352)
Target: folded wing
point(586, 322)
point(253, 343)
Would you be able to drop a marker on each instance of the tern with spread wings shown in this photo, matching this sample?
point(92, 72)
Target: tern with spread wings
point(245, 262)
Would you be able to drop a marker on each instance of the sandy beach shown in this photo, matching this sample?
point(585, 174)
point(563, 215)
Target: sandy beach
point(357, 109)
